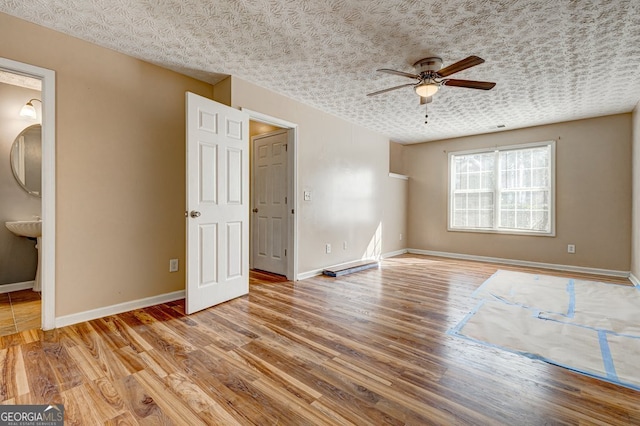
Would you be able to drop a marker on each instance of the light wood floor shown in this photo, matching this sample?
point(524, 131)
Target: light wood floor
point(367, 348)
point(19, 311)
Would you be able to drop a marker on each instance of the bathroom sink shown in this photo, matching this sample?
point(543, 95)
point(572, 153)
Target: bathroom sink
point(25, 228)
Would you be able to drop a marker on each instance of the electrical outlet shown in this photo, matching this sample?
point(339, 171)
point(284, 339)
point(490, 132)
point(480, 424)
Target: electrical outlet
point(344, 245)
point(327, 248)
point(173, 265)
point(571, 248)
point(400, 237)
point(307, 195)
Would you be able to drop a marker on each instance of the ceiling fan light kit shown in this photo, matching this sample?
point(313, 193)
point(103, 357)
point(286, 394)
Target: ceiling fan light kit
point(427, 89)
point(430, 76)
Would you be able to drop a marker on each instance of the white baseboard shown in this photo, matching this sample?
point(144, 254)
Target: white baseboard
point(394, 253)
point(8, 288)
point(119, 308)
point(309, 274)
point(569, 268)
point(634, 280)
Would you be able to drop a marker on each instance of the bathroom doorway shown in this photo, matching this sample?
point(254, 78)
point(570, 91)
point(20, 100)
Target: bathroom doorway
point(20, 300)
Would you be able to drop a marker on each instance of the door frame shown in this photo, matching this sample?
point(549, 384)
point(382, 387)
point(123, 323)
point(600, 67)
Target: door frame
point(292, 185)
point(252, 219)
point(48, 193)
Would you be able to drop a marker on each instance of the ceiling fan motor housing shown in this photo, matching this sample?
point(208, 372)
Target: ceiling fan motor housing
point(432, 64)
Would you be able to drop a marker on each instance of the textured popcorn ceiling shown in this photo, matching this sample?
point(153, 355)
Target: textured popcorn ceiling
point(552, 60)
point(20, 80)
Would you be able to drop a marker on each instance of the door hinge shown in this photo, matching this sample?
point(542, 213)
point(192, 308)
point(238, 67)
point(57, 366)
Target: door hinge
point(286, 147)
point(285, 200)
point(291, 211)
point(285, 252)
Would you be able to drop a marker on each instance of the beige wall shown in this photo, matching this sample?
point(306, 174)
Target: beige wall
point(635, 242)
point(222, 91)
point(593, 196)
point(346, 169)
point(120, 167)
point(394, 215)
point(396, 162)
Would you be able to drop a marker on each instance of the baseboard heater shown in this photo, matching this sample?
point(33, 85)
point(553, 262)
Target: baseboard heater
point(350, 268)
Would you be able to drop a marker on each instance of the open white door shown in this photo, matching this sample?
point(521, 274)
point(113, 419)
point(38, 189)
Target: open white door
point(270, 213)
point(217, 203)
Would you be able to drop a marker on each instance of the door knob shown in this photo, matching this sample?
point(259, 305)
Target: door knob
point(255, 210)
point(194, 214)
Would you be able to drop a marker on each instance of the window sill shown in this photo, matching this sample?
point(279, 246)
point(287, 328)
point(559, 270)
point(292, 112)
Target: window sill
point(504, 232)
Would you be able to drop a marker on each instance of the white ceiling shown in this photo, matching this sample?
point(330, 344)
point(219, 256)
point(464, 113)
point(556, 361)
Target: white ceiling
point(552, 60)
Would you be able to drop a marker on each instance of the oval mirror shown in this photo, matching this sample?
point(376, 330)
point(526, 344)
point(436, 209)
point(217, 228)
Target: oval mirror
point(26, 159)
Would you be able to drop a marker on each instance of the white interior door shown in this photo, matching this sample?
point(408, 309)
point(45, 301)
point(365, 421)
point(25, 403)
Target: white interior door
point(269, 217)
point(217, 203)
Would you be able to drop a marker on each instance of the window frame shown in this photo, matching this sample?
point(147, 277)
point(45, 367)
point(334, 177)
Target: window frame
point(496, 150)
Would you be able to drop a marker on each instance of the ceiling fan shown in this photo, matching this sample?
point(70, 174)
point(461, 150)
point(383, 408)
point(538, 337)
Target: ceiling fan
point(430, 76)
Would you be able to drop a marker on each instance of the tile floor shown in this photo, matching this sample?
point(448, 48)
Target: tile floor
point(19, 311)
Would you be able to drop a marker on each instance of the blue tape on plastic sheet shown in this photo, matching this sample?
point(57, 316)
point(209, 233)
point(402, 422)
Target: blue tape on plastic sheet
point(609, 374)
point(606, 356)
point(571, 289)
point(455, 331)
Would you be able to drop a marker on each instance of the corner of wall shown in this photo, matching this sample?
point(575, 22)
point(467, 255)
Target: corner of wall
point(635, 191)
point(222, 91)
point(396, 161)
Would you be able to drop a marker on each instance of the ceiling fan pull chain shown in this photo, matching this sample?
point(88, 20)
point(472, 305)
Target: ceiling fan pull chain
point(426, 113)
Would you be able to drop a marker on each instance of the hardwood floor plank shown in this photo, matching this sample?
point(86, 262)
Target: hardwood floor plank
point(193, 330)
point(236, 404)
point(43, 386)
point(121, 362)
point(288, 382)
point(119, 334)
point(65, 370)
point(294, 404)
point(14, 375)
point(78, 407)
point(216, 416)
point(193, 395)
point(142, 407)
point(369, 348)
point(170, 403)
point(332, 415)
point(85, 363)
point(124, 419)
point(156, 331)
point(105, 399)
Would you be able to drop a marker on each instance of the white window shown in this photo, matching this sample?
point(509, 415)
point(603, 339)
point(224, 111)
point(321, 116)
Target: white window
point(506, 189)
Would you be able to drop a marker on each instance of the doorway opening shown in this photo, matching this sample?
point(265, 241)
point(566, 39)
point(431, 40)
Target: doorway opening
point(273, 188)
point(47, 189)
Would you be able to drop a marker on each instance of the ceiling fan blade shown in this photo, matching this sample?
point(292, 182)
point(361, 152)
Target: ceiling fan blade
point(401, 73)
point(482, 85)
point(390, 89)
point(425, 99)
point(469, 62)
